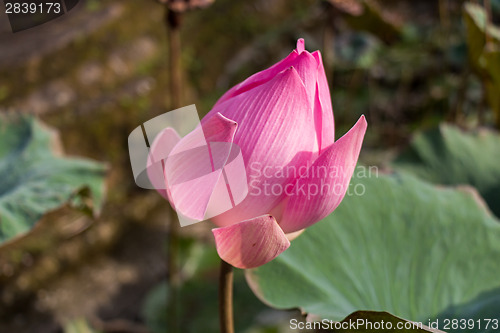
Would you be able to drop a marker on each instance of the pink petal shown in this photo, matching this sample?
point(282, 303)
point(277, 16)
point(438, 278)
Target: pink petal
point(265, 75)
point(219, 129)
point(194, 167)
point(163, 144)
point(251, 243)
point(258, 78)
point(322, 188)
point(276, 130)
point(323, 107)
point(307, 68)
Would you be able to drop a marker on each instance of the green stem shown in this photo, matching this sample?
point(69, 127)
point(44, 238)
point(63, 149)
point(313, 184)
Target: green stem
point(173, 277)
point(226, 298)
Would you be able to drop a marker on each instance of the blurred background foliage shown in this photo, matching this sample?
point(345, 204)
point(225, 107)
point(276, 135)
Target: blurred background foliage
point(97, 73)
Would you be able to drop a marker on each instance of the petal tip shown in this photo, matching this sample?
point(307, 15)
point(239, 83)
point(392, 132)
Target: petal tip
point(229, 122)
point(289, 73)
point(300, 45)
point(302, 209)
point(362, 122)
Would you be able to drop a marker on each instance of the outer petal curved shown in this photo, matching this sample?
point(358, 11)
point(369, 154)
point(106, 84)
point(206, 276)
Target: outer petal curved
point(323, 187)
point(194, 167)
point(323, 108)
point(307, 68)
point(219, 129)
point(276, 131)
point(251, 243)
point(259, 78)
point(267, 74)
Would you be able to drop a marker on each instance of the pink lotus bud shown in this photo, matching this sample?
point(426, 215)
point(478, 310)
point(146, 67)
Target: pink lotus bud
point(297, 174)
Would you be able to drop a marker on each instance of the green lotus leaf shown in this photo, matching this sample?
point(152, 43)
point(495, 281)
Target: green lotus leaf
point(35, 178)
point(395, 244)
point(449, 156)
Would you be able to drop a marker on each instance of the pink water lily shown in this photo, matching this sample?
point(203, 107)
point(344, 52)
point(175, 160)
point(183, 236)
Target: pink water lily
point(297, 174)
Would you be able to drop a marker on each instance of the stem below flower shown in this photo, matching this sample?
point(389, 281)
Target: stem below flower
point(226, 298)
point(173, 276)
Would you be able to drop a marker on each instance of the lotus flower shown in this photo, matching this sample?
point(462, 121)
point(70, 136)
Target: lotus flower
point(297, 174)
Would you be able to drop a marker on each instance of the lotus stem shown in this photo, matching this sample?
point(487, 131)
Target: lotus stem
point(173, 276)
point(226, 298)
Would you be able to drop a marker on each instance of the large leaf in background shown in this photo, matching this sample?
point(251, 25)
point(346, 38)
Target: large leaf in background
point(34, 179)
point(447, 155)
point(404, 246)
